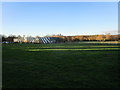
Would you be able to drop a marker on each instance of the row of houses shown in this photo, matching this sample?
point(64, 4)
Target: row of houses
point(43, 40)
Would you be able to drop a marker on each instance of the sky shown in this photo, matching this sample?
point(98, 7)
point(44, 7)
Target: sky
point(66, 18)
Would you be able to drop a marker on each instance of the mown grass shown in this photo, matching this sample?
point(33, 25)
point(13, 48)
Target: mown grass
point(51, 66)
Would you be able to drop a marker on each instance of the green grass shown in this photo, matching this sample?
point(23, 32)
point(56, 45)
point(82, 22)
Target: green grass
point(60, 65)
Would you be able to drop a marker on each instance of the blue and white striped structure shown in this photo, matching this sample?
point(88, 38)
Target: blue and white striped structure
point(46, 40)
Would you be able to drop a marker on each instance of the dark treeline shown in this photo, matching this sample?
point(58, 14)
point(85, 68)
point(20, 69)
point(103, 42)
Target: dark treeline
point(102, 37)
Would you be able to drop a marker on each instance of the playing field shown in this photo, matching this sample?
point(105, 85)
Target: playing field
point(67, 65)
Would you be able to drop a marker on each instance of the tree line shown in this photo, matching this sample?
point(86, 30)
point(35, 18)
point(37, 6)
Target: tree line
point(102, 37)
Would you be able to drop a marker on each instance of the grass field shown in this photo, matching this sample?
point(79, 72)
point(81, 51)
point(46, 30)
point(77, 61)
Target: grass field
point(68, 65)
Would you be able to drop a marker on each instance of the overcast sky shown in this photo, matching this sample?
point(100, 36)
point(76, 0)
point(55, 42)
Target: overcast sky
point(67, 18)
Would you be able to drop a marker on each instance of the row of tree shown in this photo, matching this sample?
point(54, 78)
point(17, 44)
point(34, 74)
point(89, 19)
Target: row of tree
point(106, 37)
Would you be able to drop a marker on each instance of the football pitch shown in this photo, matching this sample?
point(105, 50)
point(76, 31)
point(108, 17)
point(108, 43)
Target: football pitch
point(60, 65)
